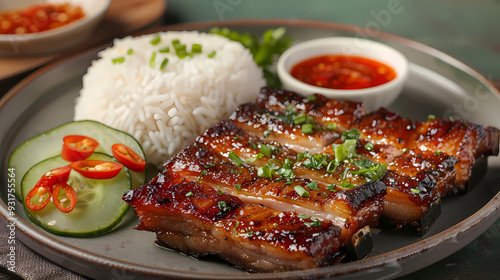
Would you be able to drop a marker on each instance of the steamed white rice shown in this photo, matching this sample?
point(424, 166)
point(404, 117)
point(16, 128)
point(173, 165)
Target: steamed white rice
point(165, 110)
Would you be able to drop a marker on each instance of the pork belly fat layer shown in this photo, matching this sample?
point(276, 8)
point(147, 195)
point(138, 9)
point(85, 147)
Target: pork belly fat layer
point(392, 136)
point(198, 220)
point(205, 161)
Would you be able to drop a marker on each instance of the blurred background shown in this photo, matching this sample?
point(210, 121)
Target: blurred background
point(465, 29)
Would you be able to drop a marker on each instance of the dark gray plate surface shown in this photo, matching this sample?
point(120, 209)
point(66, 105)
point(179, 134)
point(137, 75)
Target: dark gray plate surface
point(438, 84)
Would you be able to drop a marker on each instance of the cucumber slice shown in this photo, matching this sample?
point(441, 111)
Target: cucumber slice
point(99, 207)
point(49, 144)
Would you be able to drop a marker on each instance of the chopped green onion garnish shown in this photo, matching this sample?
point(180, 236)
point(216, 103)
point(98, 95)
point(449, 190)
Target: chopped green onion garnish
point(253, 144)
point(208, 165)
point(222, 205)
point(181, 52)
point(235, 226)
point(331, 188)
point(307, 128)
point(311, 98)
point(196, 48)
point(212, 54)
point(267, 133)
point(431, 118)
point(152, 60)
point(316, 161)
point(238, 187)
point(163, 63)
point(438, 152)
point(266, 150)
point(303, 216)
point(344, 174)
point(331, 167)
point(189, 194)
point(331, 126)
point(130, 51)
point(235, 159)
point(299, 119)
point(415, 190)
point(290, 108)
point(265, 171)
point(118, 60)
point(350, 134)
point(369, 146)
point(316, 223)
point(155, 41)
point(346, 185)
point(250, 233)
point(165, 50)
point(301, 191)
point(203, 173)
point(289, 182)
point(371, 170)
point(313, 186)
point(252, 159)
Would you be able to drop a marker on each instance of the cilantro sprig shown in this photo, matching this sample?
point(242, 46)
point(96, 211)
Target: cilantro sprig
point(264, 50)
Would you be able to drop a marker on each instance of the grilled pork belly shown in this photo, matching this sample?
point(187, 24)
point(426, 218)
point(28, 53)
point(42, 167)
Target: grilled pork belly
point(436, 158)
point(418, 154)
point(207, 161)
point(197, 219)
point(288, 181)
point(261, 175)
point(466, 141)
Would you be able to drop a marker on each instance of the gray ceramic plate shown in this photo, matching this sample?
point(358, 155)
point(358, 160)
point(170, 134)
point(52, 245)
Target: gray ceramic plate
point(438, 84)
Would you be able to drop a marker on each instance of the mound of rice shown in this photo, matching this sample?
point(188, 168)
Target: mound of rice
point(166, 109)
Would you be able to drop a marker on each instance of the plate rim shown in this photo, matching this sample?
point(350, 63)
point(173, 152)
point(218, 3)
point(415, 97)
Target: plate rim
point(61, 247)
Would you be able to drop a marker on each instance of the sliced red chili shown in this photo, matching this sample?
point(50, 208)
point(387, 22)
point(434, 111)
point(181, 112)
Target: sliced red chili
point(70, 195)
point(128, 157)
point(42, 193)
point(97, 169)
point(44, 186)
point(54, 176)
point(78, 147)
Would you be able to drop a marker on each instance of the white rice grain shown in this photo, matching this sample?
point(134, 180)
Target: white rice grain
point(166, 109)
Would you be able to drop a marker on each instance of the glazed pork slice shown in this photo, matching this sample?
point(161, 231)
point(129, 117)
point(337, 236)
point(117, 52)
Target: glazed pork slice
point(259, 171)
point(419, 155)
point(283, 116)
point(470, 143)
point(199, 220)
point(269, 188)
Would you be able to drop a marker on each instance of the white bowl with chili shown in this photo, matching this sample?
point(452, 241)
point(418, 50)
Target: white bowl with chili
point(345, 68)
point(32, 27)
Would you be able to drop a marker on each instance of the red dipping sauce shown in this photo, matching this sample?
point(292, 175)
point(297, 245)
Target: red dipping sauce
point(39, 18)
point(342, 72)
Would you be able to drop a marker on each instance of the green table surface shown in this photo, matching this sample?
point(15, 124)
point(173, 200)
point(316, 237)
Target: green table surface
point(467, 30)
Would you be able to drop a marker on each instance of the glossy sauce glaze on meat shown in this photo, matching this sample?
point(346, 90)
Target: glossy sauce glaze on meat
point(407, 147)
point(287, 181)
point(257, 178)
point(198, 219)
point(211, 161)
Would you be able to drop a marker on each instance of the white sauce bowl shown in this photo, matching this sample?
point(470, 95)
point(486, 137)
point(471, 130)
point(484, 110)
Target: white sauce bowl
point(56, 39)
point(373, 97)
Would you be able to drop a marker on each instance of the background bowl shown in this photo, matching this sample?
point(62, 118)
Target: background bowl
point(373, 97)
point(53, 40)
